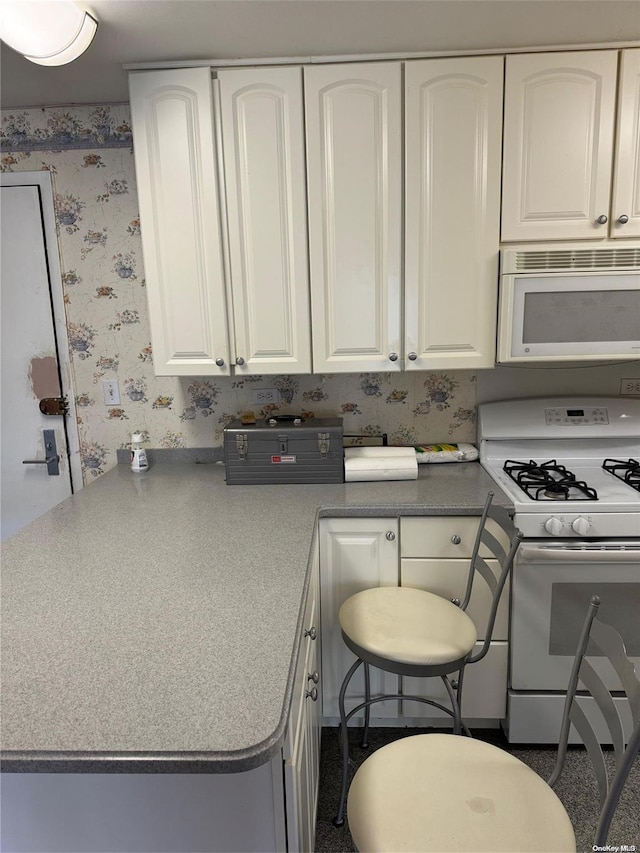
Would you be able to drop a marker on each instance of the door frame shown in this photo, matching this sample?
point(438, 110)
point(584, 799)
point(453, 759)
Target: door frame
point(43, 181)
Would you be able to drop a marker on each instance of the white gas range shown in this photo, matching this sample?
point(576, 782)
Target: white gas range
point(571, 467)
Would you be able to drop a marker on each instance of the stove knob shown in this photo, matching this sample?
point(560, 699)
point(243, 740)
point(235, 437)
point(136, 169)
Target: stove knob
point(580, 525)
point(553, 526)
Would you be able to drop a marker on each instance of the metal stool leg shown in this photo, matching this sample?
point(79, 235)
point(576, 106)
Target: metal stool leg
point(457, 718)
point(344, 741)
point(364, 743)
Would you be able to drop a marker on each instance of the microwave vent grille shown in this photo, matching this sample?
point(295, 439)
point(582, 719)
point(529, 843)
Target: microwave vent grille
point(578, 259)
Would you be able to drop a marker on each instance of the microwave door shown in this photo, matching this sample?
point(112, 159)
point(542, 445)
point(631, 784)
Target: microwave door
point(574, 316)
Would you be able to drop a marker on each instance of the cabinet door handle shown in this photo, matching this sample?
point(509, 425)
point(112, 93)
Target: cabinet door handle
point(390, 535)
point(602, 220)
point(311, 694)
point(412, 356)
point(220, 362)
point(393, 356)
point(456, 539)
point(311, 633)
point(240, 361)
point(313, 676)
point(623, 219)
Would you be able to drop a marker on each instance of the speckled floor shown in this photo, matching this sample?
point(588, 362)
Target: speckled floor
point(577, 789)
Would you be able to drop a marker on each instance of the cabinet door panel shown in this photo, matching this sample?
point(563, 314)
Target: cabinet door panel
point(453, 114)
point(626, 187)
point(448, 578)
point(484, 693)
point(173, 125)
point(558, 144)
point(354, 182)
point(263, 136)
point(355, 554)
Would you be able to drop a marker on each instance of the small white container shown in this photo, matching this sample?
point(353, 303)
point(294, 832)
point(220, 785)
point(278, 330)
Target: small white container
point(139, 462)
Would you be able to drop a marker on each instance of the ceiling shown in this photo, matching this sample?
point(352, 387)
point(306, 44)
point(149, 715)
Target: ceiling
point(133, 31)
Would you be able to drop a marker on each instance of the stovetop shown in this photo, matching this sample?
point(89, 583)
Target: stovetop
point(571, 467)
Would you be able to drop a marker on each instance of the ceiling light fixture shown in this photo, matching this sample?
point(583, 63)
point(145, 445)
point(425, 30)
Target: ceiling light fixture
point(48, 32)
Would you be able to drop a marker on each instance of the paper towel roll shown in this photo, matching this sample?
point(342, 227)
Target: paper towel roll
point(370, 468)
point(381, 452)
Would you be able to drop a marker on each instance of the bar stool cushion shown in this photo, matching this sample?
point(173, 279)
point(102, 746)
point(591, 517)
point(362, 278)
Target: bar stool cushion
point(406, 625)
point(444, 792)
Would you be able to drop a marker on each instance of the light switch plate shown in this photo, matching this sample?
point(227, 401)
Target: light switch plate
point(111, 392)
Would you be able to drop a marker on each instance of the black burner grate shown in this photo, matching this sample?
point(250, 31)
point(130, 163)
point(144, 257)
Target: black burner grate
point(548, 481)
point(628, 471)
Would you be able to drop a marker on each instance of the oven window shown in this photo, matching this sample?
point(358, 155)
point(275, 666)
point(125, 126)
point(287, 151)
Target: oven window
point(620, 608)
point(578, 316)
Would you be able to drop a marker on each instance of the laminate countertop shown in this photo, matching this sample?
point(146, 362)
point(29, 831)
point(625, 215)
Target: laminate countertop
point(151, 623)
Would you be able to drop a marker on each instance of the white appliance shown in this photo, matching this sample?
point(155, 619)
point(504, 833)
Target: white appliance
point(571, 467)
point(569, 303)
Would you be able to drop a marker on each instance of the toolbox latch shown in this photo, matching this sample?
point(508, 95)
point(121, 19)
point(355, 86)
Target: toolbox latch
point(324, 442)
point(241, 445)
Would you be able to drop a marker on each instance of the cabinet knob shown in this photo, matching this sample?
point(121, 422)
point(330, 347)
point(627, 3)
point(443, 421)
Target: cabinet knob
point(220, 362)
point(456, 539)
point(311, 633)
point(311, 694)
point(393, 356)
point(240, 360)
point(412, 356)
point(623, 219)
point(313, 676)
point(390, 535)
point(602, 220)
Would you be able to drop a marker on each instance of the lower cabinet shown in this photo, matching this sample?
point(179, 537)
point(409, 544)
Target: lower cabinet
point(429, 553)
point(355, 554)
point(301, 750)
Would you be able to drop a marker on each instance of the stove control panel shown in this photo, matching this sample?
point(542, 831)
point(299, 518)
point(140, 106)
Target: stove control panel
point(576, 417)
point(561, 525)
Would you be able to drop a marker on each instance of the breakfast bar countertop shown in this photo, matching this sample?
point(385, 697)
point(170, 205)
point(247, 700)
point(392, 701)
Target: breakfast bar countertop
point(151, 622)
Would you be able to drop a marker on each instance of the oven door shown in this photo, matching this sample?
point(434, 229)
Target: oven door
point(551, 588)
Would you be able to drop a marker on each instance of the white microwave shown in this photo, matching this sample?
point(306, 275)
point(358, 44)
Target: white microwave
point(569, 303)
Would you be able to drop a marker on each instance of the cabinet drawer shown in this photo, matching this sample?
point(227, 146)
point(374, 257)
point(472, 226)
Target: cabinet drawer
point(437, 536)
point(484, 694)
point(308, 663)
point(448, 578)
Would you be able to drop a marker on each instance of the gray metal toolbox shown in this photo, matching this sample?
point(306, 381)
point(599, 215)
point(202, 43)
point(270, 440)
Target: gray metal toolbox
point(284, 449)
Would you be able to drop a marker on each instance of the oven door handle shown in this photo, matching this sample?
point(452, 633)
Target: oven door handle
point(596, 554)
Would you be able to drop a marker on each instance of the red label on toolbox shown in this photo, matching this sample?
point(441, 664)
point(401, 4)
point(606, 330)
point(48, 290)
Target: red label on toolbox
point(277, 460)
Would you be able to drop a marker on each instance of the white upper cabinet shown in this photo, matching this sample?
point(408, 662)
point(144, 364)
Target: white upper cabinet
point(625, 207)
point(453, 120)
point(354, 174)
point(173, 126)
point(264, 168)
point(558, 145)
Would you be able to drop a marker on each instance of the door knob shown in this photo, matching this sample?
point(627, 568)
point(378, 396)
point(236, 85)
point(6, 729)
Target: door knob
point(602, 220)
point(393, 356)
point(51, 459)
point(240, 361)
point(623, 219)
point(220, 362)
point(412, 356)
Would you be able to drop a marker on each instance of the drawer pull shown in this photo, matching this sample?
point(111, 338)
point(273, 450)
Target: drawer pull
point(456, 539)
point(313, 676)
point(311, 633)
point(311, 694)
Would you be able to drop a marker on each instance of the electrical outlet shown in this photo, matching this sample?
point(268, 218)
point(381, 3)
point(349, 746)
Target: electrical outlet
point(630, 387)
point(110, 392)
point(264, 396)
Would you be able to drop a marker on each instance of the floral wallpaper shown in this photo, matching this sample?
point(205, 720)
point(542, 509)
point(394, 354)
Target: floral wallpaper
point(88, 151)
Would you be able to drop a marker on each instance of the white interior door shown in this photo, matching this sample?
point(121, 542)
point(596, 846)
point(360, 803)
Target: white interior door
point(30, 367)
